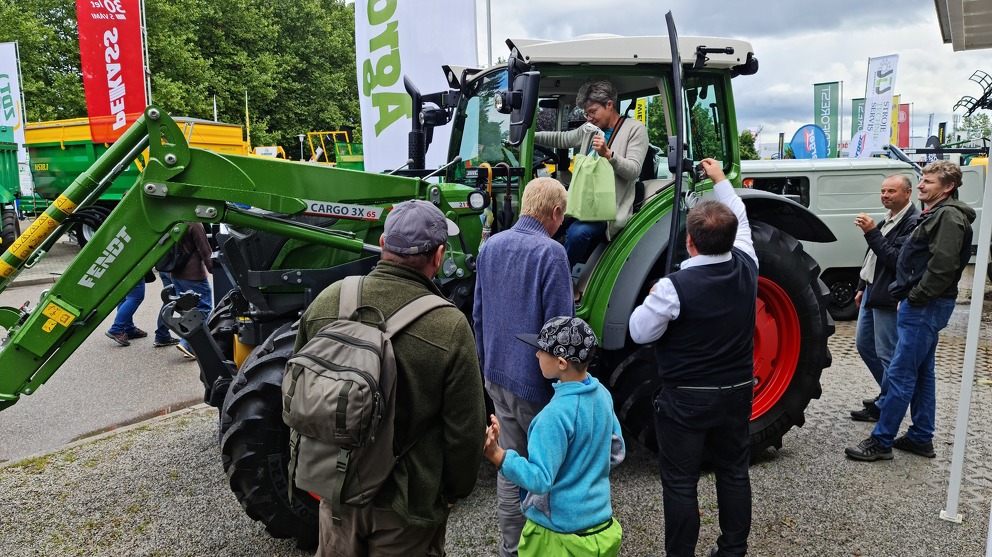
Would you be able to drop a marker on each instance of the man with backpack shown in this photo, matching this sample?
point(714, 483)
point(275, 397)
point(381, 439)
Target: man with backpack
point(438, 406)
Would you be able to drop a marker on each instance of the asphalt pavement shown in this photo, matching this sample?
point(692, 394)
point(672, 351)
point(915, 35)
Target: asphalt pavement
point(102, 385)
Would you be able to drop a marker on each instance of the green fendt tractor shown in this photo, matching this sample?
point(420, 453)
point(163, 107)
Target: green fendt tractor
point(294, 228)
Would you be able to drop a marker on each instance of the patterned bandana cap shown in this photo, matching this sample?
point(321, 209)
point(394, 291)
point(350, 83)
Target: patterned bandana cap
point(570, 338)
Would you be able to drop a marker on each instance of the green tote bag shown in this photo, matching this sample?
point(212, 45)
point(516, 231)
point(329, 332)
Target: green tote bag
point(592, 195)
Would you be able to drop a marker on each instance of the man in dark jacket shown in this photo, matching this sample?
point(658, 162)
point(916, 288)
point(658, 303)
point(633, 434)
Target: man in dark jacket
point(876, 335)
point(927, 274)
point(438, 396)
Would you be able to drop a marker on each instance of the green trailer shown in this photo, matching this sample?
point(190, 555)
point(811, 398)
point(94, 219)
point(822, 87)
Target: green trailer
point(10, 189)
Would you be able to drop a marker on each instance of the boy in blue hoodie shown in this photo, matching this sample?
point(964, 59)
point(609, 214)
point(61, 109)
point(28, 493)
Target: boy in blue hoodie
point(572, 445)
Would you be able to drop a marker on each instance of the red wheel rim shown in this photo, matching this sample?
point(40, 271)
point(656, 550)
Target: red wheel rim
point(776, 345)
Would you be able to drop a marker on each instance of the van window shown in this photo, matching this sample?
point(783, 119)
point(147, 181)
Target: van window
point(795, 188)
point(848, 193)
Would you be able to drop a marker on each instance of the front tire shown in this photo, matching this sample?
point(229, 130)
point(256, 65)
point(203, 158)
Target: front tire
point(10, 227)
point(792, 326)
point(255, 445)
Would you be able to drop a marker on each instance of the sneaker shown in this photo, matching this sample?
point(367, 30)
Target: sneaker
point(119, 338)
point(903, 443)
point(188, 354)
point(171, 341)
point(136, 333)
point(869, 450)
point(870, 401)
point(866, 414)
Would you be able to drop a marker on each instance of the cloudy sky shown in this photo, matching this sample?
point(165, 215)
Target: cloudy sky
point(797, 44)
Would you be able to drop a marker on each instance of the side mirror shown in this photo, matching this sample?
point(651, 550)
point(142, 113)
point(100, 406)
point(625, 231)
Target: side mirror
point(523, 97)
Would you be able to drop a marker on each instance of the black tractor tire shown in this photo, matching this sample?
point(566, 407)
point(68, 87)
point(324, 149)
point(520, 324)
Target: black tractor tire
point(791, 319)
point(843, 285)
point(10, 227)
point(87, 220)
point(255, 445)
point(222, 326)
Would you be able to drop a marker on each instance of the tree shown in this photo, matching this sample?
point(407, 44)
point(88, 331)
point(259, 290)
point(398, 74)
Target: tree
point(748, 151)
point(295, 59)
point(977, 126)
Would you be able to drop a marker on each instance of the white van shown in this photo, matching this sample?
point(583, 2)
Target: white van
point(836, 190)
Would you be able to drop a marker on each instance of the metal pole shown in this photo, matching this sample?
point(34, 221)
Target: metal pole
point(950, 513)
point(144, 52)
point(489, 31)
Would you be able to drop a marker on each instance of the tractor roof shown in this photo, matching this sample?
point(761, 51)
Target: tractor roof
point(614, 50)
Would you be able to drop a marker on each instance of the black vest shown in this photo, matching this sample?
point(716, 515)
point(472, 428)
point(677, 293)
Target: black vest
point(711, 343)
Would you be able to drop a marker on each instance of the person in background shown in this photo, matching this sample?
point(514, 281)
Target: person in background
point(623, 142)
point(701, 318)
point(876, 333)
point(193, 276)
point(522, 281)
point(572, 445)
point(123, 330)
point(927, 273)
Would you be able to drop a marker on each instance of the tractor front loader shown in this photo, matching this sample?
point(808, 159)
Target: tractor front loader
point(293, 228)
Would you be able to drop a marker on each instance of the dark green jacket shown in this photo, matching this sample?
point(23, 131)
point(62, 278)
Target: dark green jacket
point(932, 258)
point(438, 390)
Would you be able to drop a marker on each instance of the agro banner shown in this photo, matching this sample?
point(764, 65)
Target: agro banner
point(857, 115)
point(903, 126)
point(394, 39)
point(894, 125)
point(826, 113)
point(11, 107)
point(110, 50)
point(878, 102)
point(809, 142)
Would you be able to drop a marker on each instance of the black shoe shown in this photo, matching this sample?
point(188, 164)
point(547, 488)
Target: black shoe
point(119, 338)
point(171, 341)
point(136, 333)
point(923, 449)
point(869, 450)
point(866, 414)
point(870, 401)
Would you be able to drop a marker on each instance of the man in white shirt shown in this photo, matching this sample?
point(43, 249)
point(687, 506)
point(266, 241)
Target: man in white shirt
point(701, 319)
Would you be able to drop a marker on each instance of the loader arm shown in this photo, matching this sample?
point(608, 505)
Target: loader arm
point(178, 185)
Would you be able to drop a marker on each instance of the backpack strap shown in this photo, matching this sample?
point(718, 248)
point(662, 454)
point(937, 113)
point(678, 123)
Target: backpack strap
point(412, 311)
point(351, 296)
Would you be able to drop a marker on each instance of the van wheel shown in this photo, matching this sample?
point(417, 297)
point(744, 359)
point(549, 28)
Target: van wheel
point(843, 285)
point(254, 445)
point(790, 348)
point(10, 227)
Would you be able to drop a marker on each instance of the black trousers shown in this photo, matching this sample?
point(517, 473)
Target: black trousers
point(690, 423)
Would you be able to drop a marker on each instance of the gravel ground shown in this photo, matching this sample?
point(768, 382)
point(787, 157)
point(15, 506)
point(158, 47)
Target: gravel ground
point(158, 489)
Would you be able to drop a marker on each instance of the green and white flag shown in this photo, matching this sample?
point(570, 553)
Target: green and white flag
point(826, 112)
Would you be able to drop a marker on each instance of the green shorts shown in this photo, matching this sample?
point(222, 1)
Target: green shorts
point(599, 541)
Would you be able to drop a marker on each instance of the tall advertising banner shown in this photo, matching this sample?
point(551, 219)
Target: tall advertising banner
point(894, 134)
point(857, 115)
point(826, 113)
point(904, 129)
point(110, 50)
point(394, 39)
point(878, 102)
point(11, 109)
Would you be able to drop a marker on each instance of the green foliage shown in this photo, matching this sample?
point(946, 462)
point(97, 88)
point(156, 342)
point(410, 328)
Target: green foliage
point(657, 133)
point(295, 59)
point(748, 151)
point(977, 125)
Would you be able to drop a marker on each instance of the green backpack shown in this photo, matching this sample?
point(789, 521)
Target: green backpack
point(339, 399)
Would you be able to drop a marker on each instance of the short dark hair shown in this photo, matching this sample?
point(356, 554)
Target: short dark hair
point(713, 227)
point(415, 261)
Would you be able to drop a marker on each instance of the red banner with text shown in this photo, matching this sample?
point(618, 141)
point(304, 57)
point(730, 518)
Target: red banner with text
point(110, 50)
point(903, 126)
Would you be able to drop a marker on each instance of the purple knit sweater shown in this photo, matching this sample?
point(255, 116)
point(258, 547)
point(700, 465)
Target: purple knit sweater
point(522, 280)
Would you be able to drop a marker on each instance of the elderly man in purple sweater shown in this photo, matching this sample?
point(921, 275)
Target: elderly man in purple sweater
point(522, 281)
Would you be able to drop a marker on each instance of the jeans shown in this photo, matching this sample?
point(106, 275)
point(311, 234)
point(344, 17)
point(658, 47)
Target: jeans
point(515, 415)
point(162, 332)
point(124, 320)
point(689, 424)
point(580, 237)
point(876, 340)
point(910, 376)
point(201, 287)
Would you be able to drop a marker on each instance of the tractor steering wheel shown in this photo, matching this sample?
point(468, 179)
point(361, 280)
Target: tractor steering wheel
point(547, 155)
